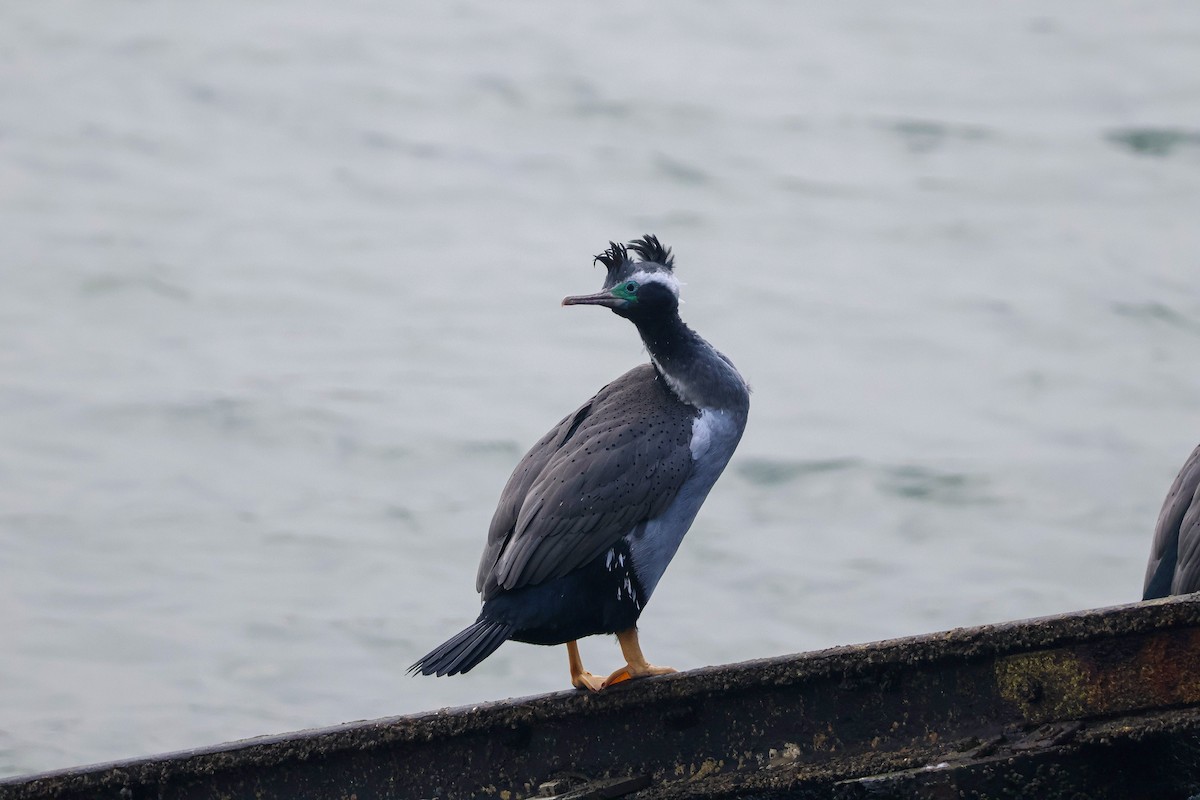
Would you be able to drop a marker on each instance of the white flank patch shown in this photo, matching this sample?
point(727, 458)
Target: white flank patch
point(702, 432)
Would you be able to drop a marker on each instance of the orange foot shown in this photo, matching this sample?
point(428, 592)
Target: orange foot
point(580, 677)
point(631, 671)
point(586, 680)
point(635, 663)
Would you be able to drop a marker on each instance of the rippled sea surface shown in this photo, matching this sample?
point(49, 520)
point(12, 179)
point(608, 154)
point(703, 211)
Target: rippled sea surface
point(279, 288)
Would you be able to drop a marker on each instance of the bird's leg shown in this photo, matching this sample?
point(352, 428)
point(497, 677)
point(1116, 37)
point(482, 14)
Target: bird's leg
point(635, 666)
point(581, 678)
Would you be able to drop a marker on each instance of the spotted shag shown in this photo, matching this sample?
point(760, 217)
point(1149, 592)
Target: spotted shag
point(595, 511)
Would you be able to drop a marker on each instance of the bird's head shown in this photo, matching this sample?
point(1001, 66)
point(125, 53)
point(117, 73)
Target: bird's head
point(635, 288)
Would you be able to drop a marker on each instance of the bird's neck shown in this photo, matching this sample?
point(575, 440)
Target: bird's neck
point(692, 368)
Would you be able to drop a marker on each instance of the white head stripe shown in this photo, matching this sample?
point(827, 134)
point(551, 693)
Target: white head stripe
point(665, 278)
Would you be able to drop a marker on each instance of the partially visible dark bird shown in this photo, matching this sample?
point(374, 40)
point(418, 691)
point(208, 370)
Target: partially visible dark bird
point(595, 511)
point(1174, 566)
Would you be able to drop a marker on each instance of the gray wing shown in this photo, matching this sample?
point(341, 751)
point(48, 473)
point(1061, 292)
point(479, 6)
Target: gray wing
point(615, 462)
point(1174, 566)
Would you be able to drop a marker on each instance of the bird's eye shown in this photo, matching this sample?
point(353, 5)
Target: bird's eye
point(631, 286)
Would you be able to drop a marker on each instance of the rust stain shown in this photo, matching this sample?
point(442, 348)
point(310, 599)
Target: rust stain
point(1132, 674)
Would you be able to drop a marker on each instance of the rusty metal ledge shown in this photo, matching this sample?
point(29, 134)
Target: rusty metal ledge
point(870, 720)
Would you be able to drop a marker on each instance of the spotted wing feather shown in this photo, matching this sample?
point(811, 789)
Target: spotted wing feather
point(1174, 566)
point(617, 461)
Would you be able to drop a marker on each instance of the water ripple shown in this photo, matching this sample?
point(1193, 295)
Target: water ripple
point(1156, 312)
point(773, 472)
point(1155, 142)
point(922, 483)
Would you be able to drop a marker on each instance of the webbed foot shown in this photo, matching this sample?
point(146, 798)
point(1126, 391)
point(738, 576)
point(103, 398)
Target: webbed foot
point(580, 677)
point(631, 671)
point(636, 665)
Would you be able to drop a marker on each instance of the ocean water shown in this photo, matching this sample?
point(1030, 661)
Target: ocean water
point(279, 311)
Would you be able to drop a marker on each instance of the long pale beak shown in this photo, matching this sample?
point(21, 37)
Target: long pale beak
point(605, 298)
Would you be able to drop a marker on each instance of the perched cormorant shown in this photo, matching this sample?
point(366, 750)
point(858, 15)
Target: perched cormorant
point(595, 511)
point(1174, 566)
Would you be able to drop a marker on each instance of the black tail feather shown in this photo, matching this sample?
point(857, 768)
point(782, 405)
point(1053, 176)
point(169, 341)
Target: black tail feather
point(464, 650)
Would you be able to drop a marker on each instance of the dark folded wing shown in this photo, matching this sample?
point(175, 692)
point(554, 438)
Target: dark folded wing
point(1187, 571)
point(513, 496)
point(1174, 566)
point(617, 461)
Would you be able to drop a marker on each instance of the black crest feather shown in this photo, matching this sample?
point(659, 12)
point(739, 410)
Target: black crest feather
point(613, 257)
point(650, 249)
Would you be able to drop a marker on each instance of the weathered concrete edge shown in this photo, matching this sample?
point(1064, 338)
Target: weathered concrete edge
point(960, 643)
